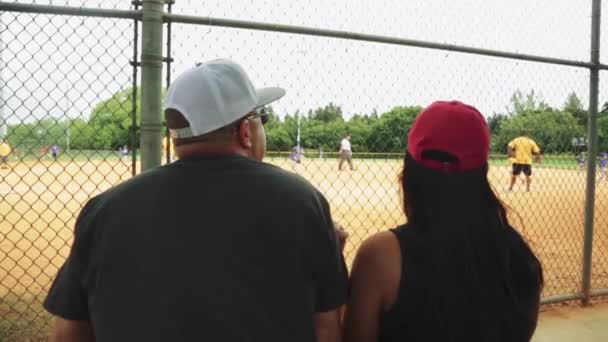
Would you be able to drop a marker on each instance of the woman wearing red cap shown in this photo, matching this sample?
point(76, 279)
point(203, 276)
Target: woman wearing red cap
point(457, 271)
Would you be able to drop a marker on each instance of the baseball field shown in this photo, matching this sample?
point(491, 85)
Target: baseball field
point(40, 201)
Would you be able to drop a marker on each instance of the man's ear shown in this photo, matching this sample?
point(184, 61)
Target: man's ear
point(244, 133)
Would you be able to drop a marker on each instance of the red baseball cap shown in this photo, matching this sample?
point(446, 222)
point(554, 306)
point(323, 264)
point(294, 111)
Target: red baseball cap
point(453, 127)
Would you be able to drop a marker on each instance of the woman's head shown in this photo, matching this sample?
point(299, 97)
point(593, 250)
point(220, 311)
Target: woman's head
point(446, 163)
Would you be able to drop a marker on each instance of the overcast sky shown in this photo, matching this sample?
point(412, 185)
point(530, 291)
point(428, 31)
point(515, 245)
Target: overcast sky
point(53, 64)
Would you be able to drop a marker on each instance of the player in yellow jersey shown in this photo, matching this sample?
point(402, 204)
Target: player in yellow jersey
point(5, 151)
point(513, 161)
point(522, 149)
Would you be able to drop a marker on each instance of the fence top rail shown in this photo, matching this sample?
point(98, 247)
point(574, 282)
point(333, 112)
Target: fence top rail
point(69, 10)
point(253, 25)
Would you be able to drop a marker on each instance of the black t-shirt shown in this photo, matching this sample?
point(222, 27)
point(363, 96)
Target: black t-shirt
point(206, 249)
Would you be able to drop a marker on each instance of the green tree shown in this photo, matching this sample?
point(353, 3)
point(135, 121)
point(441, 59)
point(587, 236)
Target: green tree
point(360, 128)
point(81, 134)
point(530, 102)
point(317, 134)
point(575, 107)
point(278, 139)
point(495, 121)
point(388, 133)
point(553, 130)
point(29, 137)
point(111, 120)
point(329, 113)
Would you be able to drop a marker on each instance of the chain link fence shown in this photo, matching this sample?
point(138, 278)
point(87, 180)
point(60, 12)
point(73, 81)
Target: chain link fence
point(66, 90)
point(72, 82)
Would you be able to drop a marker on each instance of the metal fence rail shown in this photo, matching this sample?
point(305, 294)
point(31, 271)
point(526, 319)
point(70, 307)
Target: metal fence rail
point(90, 81)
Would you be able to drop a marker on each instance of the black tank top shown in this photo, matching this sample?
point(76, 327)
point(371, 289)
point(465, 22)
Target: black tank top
point(410, 319)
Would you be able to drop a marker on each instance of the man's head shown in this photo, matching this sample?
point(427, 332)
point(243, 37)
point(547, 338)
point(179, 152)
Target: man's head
point(214, 109)
point(348, 136)
point(524, 133)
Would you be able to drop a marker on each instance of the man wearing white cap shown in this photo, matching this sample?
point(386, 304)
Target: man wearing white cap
point(217, 246)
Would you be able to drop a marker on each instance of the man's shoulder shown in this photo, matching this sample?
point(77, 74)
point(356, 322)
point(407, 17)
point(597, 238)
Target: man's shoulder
point(286, 182)
point(280, 176)
point(142, 181)
point(532, 142)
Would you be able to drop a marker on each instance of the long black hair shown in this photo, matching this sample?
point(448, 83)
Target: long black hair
point(484, 279)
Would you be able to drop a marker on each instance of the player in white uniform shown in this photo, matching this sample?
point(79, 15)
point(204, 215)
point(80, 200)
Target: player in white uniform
point(346, 153)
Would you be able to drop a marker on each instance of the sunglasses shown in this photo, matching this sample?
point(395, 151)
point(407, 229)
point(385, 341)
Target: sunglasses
point(261, 113)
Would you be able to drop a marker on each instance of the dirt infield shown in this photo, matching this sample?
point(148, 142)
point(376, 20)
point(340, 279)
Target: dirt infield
point(40, 201)
point(550, 216)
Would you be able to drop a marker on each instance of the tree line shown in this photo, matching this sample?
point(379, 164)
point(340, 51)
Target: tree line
point(109, 126)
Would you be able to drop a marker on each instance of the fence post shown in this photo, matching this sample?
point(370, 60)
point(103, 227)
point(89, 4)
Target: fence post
point(168, 149)
point(593, 149)
point(151, 82)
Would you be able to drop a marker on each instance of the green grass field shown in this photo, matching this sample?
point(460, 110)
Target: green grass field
point(562, 161)
point(558, 161)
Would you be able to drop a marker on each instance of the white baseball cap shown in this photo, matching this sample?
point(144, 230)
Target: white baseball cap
point(213, 95)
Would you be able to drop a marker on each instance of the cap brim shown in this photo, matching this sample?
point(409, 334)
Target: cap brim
point(268, 95)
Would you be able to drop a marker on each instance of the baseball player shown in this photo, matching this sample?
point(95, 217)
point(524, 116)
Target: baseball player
point(580, 160)
point(124, 152)
point(346, 153)
point(295, 155)
point(603, 166)
point(55, 151)
point(522, 149)
point(513, 161)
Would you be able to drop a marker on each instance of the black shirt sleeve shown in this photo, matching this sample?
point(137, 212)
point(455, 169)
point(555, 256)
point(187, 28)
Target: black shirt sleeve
point(329, 269)
point(68, 297)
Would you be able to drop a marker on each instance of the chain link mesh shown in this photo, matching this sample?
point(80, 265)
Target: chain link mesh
point(375, 90)
point(604, 33)
point(518, 25)
point(107, 4)
point(68, 81)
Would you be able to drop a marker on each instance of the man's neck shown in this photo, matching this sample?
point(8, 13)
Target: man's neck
point(207, 149)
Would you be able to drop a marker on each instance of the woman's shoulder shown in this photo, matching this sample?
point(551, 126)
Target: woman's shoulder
point(377, 266)
point(378, 254)
point(379, 244)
